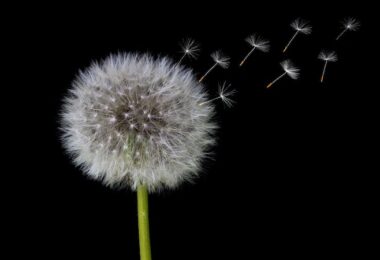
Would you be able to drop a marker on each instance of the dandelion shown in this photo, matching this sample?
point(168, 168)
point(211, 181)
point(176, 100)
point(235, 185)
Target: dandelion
point(289, 70)
point(220, 60)
point(129, 122)
point(224, 94)
point(189, 49)
point(327, 57)
point(300, 26)
point(256, 42)
point(349, 24)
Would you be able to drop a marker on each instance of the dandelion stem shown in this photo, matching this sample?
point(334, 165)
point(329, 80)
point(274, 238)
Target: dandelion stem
point(246, 57)
point(274, 81)
point(324, 70)
point(143, 220)
point(287, 46)
point(208, 72)
point(341, 34)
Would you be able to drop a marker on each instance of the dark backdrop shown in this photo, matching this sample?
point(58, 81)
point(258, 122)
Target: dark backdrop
point(286, 179)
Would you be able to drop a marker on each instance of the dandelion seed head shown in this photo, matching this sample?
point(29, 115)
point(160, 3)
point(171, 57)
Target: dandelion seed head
point(351, 24)
point(301, 26)
point(290, 69)
point(258, 42)
point(190, 48)
point(222, 60)
point(328, 56)
point(121, 146)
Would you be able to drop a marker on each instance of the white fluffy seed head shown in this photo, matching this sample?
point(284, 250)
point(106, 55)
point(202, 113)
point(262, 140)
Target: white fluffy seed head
point(190, 48)
point(328, 56)
point(133, 120)
point(351, 24)
point(222, 60)
point(290, 69)
point(301, 26)
point(258, 42)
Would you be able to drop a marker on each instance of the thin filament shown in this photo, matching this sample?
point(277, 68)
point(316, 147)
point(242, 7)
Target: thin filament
point(274, 81)
point(202, 78)
point(246, 57)
point(287, 46)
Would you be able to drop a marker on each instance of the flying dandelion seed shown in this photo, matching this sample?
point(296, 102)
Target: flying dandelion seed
point(256, 42)
point(327, 57)
point(300, 26)
point(189, 49)
point(349, 24)
point(224, 94)
point(289, 70)
point(220, 60)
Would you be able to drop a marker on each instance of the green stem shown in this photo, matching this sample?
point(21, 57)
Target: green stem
point(143, 217)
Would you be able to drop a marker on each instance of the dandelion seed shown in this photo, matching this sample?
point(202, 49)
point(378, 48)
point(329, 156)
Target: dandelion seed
point(190, 49)
point(219, 59)
point(349, 24)
point(300, 26)
point(289, 70)
point(327, 57)
point(224, 94)
point(257, 43)
point(113, 119)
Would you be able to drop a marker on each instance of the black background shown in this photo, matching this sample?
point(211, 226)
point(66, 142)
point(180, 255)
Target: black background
point(287, 179)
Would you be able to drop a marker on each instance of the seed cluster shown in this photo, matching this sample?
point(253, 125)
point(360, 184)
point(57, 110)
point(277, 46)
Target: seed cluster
point(134, 120)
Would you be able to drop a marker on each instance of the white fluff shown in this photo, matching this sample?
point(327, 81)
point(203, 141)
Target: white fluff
point(328, 56)
point(301, 26)
point(190, 48)
point(258, 42)
point(351, 24)
point(220, 59)
point(133, 119)
point(224, 94)
point(290, 69)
